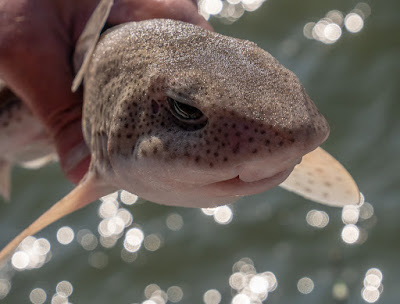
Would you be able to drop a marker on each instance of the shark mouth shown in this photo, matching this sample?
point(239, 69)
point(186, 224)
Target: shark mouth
point(236, 187)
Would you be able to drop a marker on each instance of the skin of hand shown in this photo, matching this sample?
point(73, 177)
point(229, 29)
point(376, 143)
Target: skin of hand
point(37, 40)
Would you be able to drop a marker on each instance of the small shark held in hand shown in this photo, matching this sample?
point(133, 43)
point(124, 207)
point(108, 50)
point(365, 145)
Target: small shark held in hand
point(183, 116)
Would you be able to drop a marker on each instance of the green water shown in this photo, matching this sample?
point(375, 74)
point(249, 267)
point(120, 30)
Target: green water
point(355, 83)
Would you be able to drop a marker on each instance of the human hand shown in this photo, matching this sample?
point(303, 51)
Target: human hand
point(37, 41)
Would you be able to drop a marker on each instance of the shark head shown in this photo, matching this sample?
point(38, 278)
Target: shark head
point(198, 119)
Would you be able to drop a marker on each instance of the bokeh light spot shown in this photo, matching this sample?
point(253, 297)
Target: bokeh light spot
point(318, 219)
point(175, 294)
point(258, 284)
point(241, 299)
point(152, 242)
point(370, 294)
point(5, 287)
point(353, 22)
point(64, 288)
point(20, 260)
point(37, 296)
point(223, 215)
point(340, 291)
point(305, 285)
point(212, 296)
point(350, 214)
point(174, 222)
point(128, 198)
point(65, 235)
point(350, 234)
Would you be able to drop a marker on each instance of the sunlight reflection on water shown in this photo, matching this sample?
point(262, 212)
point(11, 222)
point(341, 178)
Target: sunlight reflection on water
point(247, 284)
point(227, 11)
point(328, 30)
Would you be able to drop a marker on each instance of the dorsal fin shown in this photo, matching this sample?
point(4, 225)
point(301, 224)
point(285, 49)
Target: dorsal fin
point(88, 40)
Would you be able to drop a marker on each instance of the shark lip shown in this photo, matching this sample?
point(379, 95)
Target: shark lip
point(235, 187)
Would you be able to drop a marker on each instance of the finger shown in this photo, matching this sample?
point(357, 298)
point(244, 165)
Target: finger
point(131, 10)
point(35, 63)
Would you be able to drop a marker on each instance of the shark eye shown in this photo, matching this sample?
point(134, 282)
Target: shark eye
point(184, 112)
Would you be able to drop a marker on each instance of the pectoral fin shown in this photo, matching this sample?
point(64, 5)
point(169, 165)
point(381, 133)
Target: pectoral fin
point(88, 40)
point(321, 178)
point(5, 176)
point(88, 190)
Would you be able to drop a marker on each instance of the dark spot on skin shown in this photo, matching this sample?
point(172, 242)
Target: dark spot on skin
point(225, 159)
point(216, 154)
point(263, 132)
point(308, 190)
point(197, 159)
point(129, 135)
point(325, 194)
point(281, 143)
point(251, 139)
point(208, 151)
point(238, 134)
point(126, 126)
point(155, 150)
point(235, 149)
point(254, 151)
point(211, 165)
point(267, 142)
point(328, 184)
